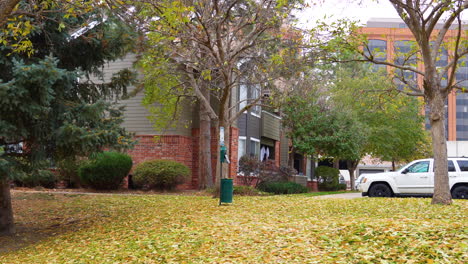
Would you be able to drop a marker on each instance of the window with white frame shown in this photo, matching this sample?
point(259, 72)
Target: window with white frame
point(255, 147)
point(243, 91)
point(256, 109)
point(241, 148)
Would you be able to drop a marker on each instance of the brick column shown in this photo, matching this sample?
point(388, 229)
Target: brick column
point(277, 153)
point(233, 147)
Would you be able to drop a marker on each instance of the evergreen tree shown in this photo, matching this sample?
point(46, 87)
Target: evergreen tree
point(56, 101)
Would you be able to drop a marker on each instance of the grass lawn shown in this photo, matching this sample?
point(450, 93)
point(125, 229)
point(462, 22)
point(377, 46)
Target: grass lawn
point(75, 228)
point(325, 193)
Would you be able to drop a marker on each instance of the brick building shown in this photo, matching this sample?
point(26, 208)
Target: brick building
point(254, 130)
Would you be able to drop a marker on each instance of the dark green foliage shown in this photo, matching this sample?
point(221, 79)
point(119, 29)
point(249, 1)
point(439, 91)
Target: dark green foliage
point(316, 127)
point(26, 173)
point(44, 178)
point(328, 179)
point(160, 174)
point(282, 187)
point(48, 101)
point(246, 190)
point(106, 170)
point(68, 171)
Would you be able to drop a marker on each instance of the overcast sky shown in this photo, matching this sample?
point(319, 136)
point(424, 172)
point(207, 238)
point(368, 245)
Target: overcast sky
point(335, 9)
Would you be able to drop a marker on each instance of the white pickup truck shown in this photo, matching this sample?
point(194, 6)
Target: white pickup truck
point(416, 179)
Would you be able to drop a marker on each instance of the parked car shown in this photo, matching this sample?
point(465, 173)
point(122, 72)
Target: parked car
point(357, 182)
point(416, 179)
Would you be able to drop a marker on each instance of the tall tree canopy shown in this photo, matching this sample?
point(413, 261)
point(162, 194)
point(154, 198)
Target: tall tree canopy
point(351, 113)
point(430, 23)
point(394, 122)
point(19, 19)
point(205, 49)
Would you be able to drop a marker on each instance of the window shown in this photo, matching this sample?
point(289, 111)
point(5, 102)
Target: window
point(462, 99)
point(451, 166)
point(378, 49)
point(242, 96)
point(241, 148)
point(255, 147)
point(419, 167)
point(267, 152)
point(256, 109)
point(405, 54)
point(463, 164)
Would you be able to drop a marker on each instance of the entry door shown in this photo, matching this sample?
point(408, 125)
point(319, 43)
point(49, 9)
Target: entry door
point(417, 178)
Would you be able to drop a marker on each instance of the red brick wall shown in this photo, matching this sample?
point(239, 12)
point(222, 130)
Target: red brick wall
point(277, 153)
point(233, 147)
point(214, 151)
point(196, 149)
point(168, 147)
point(184, 150)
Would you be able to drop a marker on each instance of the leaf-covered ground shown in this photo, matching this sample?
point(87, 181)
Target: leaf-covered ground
point(272, 229)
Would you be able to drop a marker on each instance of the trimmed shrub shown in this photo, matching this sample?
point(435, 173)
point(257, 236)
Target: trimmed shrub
point(106, 171)
point(328, 178)
point(44, 178)
point(160, 174)
point(342, 186)
point(68, 171)
point(282, 187)
point(246, 191)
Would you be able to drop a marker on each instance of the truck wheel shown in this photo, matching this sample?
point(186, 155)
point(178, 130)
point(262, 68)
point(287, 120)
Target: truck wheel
point(380, 190)
point(460, 192)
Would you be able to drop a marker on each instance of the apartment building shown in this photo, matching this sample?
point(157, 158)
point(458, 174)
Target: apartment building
point(256, 132)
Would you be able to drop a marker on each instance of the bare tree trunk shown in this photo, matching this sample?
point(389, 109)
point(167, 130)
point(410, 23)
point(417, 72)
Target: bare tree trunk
point(7, 225)
point(227, 140)
point(222, 170)
point(441, 179)
point(217, 177)
point(6, 8)
point(292, 153)
point(393, 165)
point(352, 165)
point(336, 163)
point(204, 163)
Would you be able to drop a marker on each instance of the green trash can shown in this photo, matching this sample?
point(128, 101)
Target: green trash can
point(226, 191)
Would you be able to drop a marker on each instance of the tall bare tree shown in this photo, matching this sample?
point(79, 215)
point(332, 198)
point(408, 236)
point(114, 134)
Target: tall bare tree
point(430, 23)
point(214, 45)
point(6, 8)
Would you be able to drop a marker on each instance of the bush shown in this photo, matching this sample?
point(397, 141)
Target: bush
point(282, 187)
point(246, 191)
point(106, 171)
point(250, 167)
point(68, 171)
point(328, 179)
point(44, 178)
point(342, 186)
point(160, 174)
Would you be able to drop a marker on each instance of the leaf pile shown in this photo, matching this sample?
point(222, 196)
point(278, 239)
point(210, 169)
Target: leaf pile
point(272, 229)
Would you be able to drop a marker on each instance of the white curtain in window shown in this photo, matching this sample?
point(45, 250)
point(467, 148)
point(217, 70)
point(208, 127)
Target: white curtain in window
point(241, 148)
point(242, 96)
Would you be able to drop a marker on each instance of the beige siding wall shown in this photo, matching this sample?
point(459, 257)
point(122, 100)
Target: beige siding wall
point(136, 115)
point(270, 126)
